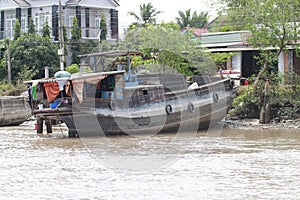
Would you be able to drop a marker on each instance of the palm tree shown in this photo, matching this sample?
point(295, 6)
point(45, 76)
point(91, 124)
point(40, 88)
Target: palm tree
point(199, 20)
point(185, 18)
point(194, 20)
point(147, 15)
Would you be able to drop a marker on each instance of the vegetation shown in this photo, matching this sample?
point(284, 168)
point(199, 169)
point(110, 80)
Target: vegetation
point(274, 29)
point(11, 90)
point(46, 30)
point(170, 50)
point(30, 54)
point(17, 30)
point(31, 28)
point(103, 28)
point(284, 101)
point(146, 16)
point(75, 41)
point(194, 20)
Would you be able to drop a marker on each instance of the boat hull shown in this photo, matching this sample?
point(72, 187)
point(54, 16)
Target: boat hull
point(14, 110)
point(154, 119)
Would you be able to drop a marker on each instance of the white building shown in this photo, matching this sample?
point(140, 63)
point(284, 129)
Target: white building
point(87, 12)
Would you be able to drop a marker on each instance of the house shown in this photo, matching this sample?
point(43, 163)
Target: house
point(243, 62)
point(87, 12)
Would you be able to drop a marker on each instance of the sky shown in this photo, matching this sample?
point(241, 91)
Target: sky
point(169, 8)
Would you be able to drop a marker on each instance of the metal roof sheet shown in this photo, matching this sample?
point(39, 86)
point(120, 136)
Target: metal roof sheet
point(22, 3)
point(231, 37)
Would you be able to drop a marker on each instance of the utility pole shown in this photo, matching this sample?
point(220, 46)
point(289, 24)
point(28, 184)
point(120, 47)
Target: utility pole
point(61, 51)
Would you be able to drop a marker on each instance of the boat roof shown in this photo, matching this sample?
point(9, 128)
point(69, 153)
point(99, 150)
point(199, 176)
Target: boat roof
point(76, 76)
point(44, 80)
point(144, 86)
point(112, 53)
point(94, 74)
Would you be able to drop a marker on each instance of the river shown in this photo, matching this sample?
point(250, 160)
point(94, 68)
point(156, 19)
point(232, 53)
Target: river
point(234, 164)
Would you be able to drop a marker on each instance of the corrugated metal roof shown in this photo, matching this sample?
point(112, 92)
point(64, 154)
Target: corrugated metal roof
point(226, 37)
point(22, 3)
point(74, 2)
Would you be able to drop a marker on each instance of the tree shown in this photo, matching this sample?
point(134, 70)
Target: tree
point(46, 30)
point(170, 25)
point(171, 50)
point(194, 20)
point(199, 20)
point(273, 25)
point(30, 54)
point(103, 28)
point(31, 28)
point(274, 29)
point(75, 41)
point(147, 15)
point(17, 30)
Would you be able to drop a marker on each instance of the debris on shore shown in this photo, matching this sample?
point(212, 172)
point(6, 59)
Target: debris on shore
point(254, 124)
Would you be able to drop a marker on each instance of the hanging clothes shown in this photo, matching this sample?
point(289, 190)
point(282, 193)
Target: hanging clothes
point(52, 91)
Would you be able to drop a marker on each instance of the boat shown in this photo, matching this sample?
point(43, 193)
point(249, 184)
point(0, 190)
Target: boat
point(14, 110)
point(120, 102)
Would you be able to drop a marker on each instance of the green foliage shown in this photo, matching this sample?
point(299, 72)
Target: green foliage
point(170, 25)
point(194, 20)
point(31, 28)
point(74, 68)
point(103, 28)
point(75, 41)
point(17, 30)
point(30, 54)
point(46, 30)
point(11, 90)
point(3, 58)
point(273, 23)
point(146, 16)
point(245, 105)
point(171, 50)
point(284, 100)
point(88, 46)
point(221, 58)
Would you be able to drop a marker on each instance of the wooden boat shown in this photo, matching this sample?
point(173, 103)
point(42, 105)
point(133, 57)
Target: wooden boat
point(14, 110)
point(116, 102)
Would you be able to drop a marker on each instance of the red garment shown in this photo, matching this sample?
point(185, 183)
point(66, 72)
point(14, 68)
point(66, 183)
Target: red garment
point(52, 90)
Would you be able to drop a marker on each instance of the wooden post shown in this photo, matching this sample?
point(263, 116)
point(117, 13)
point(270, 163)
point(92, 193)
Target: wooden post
point(48, 123)
point(39, 122)
point(266, 104)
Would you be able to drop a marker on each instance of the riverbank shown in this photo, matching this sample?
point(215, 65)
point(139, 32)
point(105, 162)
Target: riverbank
point(254, 124)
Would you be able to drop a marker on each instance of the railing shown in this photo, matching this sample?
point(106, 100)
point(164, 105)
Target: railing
point(87, 33)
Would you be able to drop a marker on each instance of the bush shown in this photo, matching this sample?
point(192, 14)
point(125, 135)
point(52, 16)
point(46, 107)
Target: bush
point(11, 90)
point(284, 101)
point(245, 106)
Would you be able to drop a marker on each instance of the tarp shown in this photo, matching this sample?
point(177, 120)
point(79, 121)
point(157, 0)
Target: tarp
point(78, 85)
point(62, 74)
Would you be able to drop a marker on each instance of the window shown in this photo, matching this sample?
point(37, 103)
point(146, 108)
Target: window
point(97, 25)
point(37, 23)
point(23, 24)
point(10, 27)
point(44, 19)
point(70, 25)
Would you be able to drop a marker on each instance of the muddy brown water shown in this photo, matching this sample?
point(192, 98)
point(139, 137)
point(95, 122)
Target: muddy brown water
point(235, 164)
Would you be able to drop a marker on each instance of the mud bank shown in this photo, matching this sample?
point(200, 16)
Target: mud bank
point(254, 124)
